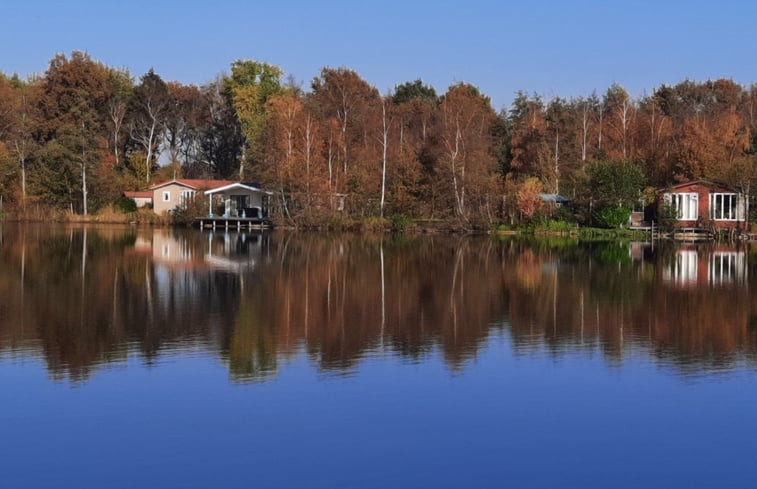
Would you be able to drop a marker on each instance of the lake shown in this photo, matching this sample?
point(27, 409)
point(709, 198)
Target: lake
point(139, 358)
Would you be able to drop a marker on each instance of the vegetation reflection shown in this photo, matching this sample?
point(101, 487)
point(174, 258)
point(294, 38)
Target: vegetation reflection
point(82, 297)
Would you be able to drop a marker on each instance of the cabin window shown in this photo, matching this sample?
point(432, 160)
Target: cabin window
point(686, 206)
point(723, 207)
point(186, 196)
point(166, 196)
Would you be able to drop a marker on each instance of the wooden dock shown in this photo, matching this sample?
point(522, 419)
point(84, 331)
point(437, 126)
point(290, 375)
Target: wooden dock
point(693, 234)
point(233, 223)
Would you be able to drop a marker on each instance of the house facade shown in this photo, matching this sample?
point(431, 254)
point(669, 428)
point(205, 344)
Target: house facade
point(704, 204)
point(238, 199)
point(171, 194)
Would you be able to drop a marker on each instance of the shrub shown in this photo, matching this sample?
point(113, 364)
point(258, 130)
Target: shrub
point(125, 205)
point(668, 218)
point(502, 227)
point(400, 223)
point(192, 208)
point(553, 225)
point(613, 217)
point(375, 224)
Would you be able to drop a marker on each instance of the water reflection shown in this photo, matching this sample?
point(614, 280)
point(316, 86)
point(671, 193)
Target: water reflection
point(692, 266)
point(83, 297)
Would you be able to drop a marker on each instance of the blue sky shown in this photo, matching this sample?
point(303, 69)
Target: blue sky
point(568, 48)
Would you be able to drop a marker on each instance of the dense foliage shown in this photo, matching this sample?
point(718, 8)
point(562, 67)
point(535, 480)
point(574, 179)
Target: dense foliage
point(77, 136)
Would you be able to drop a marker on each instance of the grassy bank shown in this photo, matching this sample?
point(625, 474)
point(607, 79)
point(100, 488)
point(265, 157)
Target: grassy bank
point(393, 224)
point(566, 229)
point(108, 215)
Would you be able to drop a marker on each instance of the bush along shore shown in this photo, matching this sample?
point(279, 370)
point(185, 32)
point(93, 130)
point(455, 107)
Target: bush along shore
point(393, 224)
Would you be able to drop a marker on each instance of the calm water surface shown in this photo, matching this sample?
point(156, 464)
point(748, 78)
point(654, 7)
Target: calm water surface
point(140, 358)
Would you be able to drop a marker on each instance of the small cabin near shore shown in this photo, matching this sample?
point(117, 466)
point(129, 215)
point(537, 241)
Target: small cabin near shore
point(238, 199)
point(171, 194)
point(142, 199)
point(706, 205)
point(226, 199)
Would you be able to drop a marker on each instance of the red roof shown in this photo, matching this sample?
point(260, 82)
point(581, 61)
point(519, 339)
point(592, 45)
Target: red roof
point(703, 183)
point(195, 184)
point(138, 195)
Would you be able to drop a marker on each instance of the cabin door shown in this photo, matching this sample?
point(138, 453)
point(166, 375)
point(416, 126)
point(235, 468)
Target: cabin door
point(238, 203)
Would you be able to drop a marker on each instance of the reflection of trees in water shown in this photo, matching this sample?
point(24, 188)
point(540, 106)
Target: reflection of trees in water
point(90, 298)
point(343, 297)
point(590, 303)
point(81, 299)
point(86, 298)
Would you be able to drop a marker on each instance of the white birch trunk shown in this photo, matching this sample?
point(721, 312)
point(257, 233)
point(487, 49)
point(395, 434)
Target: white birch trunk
point(384, 146)
point(584, 131)
point(557, 162)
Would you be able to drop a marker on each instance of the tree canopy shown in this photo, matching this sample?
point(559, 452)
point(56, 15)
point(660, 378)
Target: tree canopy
point(75, 137)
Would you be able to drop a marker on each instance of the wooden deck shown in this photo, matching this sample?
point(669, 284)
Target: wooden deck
point(693, 234)
point(233, 223)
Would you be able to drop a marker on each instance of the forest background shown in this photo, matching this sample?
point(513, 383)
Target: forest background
point(73, 139)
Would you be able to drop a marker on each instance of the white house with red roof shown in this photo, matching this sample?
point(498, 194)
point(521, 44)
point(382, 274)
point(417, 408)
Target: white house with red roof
point(226, 198)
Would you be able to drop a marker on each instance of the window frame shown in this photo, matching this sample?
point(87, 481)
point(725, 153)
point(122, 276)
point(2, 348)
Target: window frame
point(677, 200)
point(733, 208)
point(186, 195)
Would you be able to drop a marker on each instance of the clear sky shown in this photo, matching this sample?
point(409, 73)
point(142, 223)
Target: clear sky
point(566, 48)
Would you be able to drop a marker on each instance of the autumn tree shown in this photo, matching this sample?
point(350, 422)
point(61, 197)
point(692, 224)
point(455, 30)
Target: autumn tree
point(186, 117)
point(529, 146)
point(413, 177)
point(465, 128)
point(561, 128)
point(529, 197)
point(655, 130)
point(343, 95)
point(148, 109)
point(120, 90)
point(17, 105)
point(620, 111)
point(221, 138)
point(284, 114)
point(72, 107)
point(249, 87)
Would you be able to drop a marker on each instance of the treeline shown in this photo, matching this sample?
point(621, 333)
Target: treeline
point(77, 136)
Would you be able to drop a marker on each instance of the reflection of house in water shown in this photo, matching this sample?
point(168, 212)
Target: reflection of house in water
point(691, 266)
point(234, 252)
point(168, 249)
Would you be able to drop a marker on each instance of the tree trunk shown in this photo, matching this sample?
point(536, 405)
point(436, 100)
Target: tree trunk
point(385, 134)
point(84, 185)
point(601, 124)
point(308, 146)
point(585, 130)
point(557, 162)
point(241, 162)
point(148, 162)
